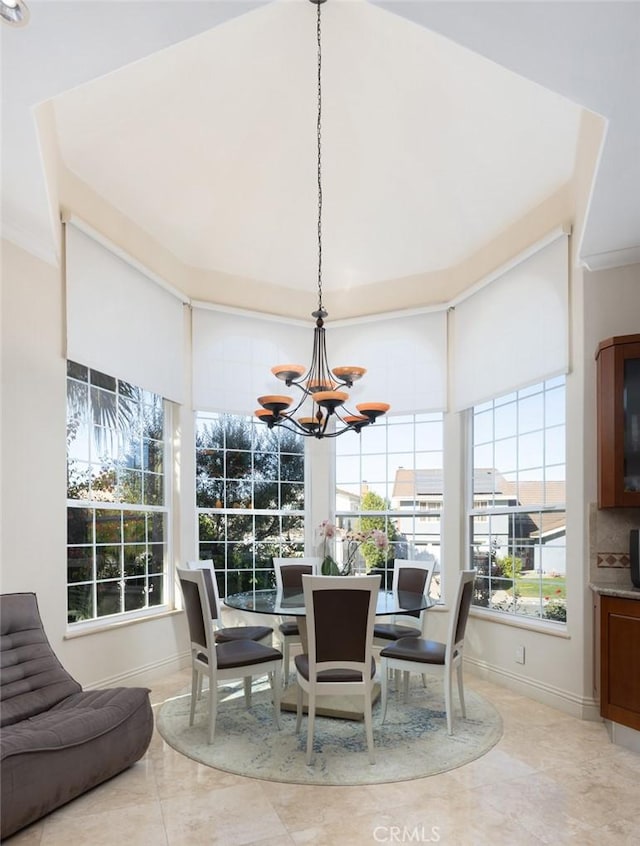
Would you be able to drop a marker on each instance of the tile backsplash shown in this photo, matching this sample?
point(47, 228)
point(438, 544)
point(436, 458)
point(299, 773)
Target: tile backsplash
point(609, 528)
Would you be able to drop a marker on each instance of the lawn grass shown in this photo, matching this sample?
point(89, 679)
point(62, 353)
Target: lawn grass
point(549, 587)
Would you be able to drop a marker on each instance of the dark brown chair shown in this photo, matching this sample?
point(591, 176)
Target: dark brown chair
point(340, 614)
point(234, 659)
point(417, 655)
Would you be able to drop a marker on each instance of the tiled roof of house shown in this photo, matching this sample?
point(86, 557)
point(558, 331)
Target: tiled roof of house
point(411, 483)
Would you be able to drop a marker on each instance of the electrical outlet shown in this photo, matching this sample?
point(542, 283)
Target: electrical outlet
point(520, 655)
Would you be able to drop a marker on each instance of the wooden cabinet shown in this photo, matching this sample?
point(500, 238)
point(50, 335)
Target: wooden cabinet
point(618, 365)
point(620, 660)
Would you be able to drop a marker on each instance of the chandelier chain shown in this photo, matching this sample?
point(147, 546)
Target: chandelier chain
point(319, 132)
point(322, 389)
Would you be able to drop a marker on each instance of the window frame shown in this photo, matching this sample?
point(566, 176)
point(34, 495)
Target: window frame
point(123, 507)
point(540, 620)
point(225, 511)
point(416, 509)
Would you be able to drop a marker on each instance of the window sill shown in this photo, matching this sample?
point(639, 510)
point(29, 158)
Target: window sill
point(541, 626)
point(100, 626)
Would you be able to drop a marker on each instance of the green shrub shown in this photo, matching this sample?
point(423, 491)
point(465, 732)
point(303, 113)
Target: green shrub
point(510, 566)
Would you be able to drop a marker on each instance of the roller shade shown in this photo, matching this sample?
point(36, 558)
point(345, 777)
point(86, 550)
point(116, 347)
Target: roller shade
point(405, 357)
point(513, 332)
point(233, 355)
point(120, 321)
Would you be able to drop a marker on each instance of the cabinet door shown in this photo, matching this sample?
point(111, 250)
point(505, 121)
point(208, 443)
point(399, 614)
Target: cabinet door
point(619, 422)
point(631, 410)
point(620, 661)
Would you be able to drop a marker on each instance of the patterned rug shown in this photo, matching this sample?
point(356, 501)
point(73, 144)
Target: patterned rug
point(412, 743)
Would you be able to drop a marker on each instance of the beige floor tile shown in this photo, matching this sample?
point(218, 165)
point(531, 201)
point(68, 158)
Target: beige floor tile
point(230, 816)
point(176, 775)
point(140, 824)
point(494, 767)
point(29, 836)
point(547, 807)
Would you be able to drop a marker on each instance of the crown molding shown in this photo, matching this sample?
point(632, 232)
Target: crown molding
point(611, 259)
point(30, 243)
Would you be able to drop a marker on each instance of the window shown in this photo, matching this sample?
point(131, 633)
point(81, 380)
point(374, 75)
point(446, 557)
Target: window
point(249, 498)
point(389, 478)
point(117, 516)
point(517, 516)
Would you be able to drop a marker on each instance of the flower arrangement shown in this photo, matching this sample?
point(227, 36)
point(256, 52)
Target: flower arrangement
point(352, 541)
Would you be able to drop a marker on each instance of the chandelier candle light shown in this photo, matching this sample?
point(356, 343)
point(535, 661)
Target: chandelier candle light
point(321, 387)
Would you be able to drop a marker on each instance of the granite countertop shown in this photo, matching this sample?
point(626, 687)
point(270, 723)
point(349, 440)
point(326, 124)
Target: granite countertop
point(629, 592)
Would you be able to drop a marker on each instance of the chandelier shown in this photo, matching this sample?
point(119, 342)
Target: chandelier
point(322, 396)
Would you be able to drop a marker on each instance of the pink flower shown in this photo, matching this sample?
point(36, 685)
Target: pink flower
point(327, 530)
point(380, 539)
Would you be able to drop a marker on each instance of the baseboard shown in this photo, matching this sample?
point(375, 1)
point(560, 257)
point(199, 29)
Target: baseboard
point(144, 676)
point(582, 707)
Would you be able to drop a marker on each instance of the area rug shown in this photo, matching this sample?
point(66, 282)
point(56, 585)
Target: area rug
point(412, 743)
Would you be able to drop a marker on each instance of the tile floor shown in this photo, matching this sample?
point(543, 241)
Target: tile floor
point(550, 779)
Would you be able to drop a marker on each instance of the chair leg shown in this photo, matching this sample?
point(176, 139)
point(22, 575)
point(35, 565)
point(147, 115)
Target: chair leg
point(405, 685)
point(213, 708)
point(276, 687)
point(311, 719)
point(195, 687)
point(299, 709)
point(247, 691)
point(461, 690)
point(447, 698)
point(368, 724)
point(385, 690)
point(285, 660)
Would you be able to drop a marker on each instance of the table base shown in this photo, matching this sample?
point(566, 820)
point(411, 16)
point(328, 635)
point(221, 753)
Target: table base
point(339, 707)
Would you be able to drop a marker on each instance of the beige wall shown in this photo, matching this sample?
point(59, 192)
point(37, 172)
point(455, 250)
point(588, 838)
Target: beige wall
point(33, 529)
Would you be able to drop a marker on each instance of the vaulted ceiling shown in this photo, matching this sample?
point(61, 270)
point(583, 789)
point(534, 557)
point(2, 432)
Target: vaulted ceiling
point(443, 125)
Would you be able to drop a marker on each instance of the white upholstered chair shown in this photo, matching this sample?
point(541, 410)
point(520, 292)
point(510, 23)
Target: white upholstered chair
point(289, 572)
point(224, 634)
point(415, 577)
point(234, 659)
point(417, 655)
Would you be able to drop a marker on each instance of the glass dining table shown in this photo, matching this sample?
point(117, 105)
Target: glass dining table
point(290, 603)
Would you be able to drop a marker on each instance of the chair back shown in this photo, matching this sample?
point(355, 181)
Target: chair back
point(340, 618)
point(198, 610)
point(211, 584)
point(413, 577)
point(289, 572)
point(460, 615)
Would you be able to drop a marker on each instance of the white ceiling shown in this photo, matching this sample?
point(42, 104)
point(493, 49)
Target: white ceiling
point(197, 121)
